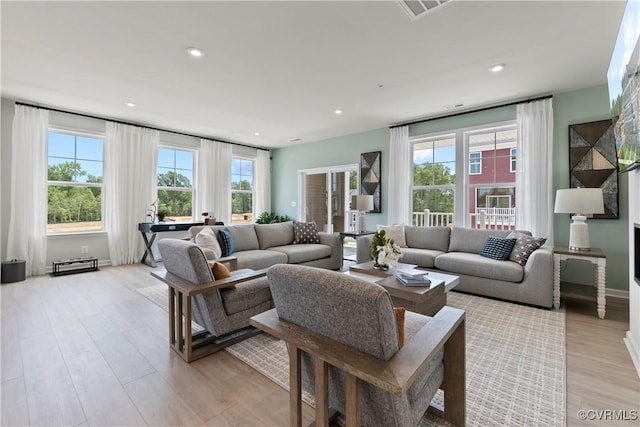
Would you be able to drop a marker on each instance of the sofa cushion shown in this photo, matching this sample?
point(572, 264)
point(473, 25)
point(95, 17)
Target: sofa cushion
point(524, 247)
point(498, 248)
point(227, 243)
point(278, 234)
point(244, 236)
point(207, 238)
point(304, 252)
point(245, 295)
point(420, 257)
point(472, 240)
point(436, 238)
point(305, 232)
point(258, 259)
point(394, 232)
point(479, 266)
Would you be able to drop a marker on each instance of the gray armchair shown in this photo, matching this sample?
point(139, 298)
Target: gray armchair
point(342, 332)
point(223, 307)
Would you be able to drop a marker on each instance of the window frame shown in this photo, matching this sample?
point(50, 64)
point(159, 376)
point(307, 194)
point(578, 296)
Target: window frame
point(75, 132)
point(191, 189)
point(513, 159)
point(475, 162)
point(238, 191)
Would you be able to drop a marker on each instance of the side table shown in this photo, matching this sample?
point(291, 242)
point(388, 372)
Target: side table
point(597, 258)
point(355, 235)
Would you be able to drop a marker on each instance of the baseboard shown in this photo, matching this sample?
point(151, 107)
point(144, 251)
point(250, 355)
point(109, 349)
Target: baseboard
point(634, 351)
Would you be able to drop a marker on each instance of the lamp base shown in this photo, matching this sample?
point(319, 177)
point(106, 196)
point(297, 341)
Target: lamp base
point(361, 222)
point(579, 234)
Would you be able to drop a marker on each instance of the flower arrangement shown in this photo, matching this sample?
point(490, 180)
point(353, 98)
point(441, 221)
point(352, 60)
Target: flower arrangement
point(385, 252)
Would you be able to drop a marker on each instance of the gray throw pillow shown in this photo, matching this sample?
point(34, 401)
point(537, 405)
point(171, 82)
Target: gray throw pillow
point(524, 247)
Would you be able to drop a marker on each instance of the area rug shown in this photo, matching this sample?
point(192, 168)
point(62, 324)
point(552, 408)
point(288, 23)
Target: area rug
point(515, 363)
point(159, 295)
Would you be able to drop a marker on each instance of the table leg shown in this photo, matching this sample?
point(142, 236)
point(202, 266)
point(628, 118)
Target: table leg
point(600, 282)
point(556, 281)
point(148, 252)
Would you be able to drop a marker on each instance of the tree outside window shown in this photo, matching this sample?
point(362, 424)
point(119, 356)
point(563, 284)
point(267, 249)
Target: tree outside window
point(242, 172)
point(175, 184)
point(74, 182)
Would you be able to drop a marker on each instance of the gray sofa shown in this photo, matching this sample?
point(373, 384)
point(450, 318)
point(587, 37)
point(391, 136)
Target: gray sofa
point(259, 246)
point(457, 251)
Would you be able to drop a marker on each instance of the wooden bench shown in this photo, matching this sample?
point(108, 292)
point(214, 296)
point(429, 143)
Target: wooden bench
point(83, 264)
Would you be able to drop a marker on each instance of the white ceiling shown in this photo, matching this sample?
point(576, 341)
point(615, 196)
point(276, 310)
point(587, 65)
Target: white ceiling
point(282, 68)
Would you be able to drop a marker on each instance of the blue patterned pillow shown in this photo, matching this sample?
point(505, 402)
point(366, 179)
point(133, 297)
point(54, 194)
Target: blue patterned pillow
point(498, 248)
point(227, 244)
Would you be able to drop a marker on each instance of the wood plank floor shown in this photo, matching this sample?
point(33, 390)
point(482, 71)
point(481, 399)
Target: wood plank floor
point(87, 349)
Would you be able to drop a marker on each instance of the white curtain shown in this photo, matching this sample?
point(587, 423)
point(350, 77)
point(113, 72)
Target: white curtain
point(534, 169)
point(262, 182)
point(131, 155)
point(399, 200)
point(214, 174)
point(27, 236)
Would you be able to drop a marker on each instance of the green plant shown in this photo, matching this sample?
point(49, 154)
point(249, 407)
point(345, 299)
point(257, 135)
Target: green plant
point(271, 218)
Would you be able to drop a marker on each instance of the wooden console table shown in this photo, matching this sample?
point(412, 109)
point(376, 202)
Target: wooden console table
point(597, 258)
point(151, 229)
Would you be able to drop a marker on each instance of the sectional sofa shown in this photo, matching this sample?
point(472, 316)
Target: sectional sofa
point(457, 251)
point(259, 246)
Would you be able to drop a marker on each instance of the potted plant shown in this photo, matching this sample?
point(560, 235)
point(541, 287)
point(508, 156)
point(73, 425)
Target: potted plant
point(162, 213)
point(385, 252)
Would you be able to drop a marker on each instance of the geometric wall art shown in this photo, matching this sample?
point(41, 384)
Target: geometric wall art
point(593, 162)
point(371, 178)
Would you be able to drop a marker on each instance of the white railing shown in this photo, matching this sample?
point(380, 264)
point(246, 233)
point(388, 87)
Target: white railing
point(487, 218)
point(494, 218)
point(427, 218)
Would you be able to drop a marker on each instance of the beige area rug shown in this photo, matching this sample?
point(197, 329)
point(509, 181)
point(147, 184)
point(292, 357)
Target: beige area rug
point(515, 361)
point(159, 295)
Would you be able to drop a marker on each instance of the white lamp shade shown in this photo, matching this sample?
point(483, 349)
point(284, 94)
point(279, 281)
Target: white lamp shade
point(364, 203)
point(579, 201)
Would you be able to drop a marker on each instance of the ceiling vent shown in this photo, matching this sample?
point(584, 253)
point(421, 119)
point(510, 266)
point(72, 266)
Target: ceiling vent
point(418, 8)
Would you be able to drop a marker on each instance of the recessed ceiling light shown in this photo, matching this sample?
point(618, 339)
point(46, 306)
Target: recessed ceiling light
point(130, 104)
point(338, 111)
point(195, 52)
point(496, 68)
point(452, 106)
point(256, 134)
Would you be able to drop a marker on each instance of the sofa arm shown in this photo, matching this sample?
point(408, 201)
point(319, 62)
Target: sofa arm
point(537, 285)
point(363, 243)
point(334, 241)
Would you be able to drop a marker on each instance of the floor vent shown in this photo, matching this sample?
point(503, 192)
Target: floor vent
point(418, 8)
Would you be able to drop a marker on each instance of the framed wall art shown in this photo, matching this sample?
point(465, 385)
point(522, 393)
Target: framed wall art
point(371, 178)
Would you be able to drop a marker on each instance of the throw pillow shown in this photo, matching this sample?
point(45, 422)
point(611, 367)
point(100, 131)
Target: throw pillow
point(524, 247)
point(399, 313)
point(206, 238)
point(498, 248)
point(220, 271)
point(305, 232)
point(227, 244)
point(395, 232)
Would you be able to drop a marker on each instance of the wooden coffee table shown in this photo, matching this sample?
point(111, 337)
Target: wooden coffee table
point(426, 300)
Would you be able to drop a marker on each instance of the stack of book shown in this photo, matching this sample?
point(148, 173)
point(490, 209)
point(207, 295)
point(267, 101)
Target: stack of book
point(413, 278)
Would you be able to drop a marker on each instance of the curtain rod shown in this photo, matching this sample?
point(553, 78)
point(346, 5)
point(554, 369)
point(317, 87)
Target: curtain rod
point(90, 116)
point(490, 107)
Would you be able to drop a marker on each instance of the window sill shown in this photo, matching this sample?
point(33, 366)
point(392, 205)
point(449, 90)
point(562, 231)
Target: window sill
point(73, 235)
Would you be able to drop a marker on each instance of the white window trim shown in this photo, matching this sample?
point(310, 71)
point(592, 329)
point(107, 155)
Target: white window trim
point(477, 161)
point(194, 173)
point(513, 159)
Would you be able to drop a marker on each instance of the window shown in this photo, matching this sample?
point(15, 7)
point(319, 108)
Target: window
point(434, 179)
point(475, 163)
point(242, 171)
point(513, 160)
point(74, 186)
point(175, 184)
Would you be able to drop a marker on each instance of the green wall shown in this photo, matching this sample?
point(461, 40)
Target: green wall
point(583, 106)
point(573, 107)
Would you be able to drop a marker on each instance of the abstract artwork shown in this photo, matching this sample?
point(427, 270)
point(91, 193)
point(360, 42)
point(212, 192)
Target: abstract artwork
point(371, 178)
point(593, 162)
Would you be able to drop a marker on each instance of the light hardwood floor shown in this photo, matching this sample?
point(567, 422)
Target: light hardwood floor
point(87, 349)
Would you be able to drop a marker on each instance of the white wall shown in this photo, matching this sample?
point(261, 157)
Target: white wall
point(633, 335)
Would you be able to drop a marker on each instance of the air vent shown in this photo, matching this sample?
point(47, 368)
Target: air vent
point(418, 8)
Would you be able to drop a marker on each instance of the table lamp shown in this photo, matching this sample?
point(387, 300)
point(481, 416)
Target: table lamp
point(580, 202)
point(364, 203)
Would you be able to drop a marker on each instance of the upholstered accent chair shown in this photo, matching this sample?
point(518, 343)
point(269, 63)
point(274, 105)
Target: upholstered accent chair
point(222, 307)
point(344, 345)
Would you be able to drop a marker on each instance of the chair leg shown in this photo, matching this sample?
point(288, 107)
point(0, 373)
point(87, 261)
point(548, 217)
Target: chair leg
point(455, 377)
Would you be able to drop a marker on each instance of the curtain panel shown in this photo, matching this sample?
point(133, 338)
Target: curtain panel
point(262, 183)
point(399, 200)
point(534, 171)
point(27, 236)
point(131, 156)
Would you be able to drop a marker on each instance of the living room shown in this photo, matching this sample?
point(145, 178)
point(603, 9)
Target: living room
point(336, 142)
